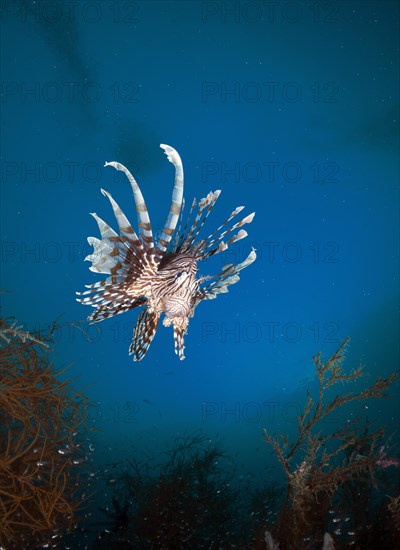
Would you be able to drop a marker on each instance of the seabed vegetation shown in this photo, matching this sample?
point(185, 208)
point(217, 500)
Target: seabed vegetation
point(344, 473)
point(340, 487)
point(42, 443)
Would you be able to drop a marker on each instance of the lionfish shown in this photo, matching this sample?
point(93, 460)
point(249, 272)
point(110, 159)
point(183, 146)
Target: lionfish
point(160, 275)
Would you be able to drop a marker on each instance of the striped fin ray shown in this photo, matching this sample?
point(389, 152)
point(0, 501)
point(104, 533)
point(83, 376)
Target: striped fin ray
point(143, 334)
point(217, 242)
point(176, 203)
point(110, 297)
point(105, 230)
point(116, 250)
point(114, 294)
point(179, 335)
point(113, 247)
point(122, 273)
point(205, 206)
point(228, 276)
point(123, 266)
point(102, 259)
point(145, 231)
point(180, 233)
point(112, 257)
point(123, 258)
point(175, 242)
point(112, 300)
point(124, 226)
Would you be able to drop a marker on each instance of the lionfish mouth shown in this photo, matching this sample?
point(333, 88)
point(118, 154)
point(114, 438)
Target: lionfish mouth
point(160, 275)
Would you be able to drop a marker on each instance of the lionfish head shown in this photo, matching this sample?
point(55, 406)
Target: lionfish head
point(178, 262)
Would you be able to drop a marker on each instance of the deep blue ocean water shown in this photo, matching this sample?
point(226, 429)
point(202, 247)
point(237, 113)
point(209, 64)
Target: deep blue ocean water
point(291, 109)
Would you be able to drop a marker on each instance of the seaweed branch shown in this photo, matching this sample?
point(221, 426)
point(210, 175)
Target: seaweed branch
point(7, 332)
point(43, 421)
point(316, 465)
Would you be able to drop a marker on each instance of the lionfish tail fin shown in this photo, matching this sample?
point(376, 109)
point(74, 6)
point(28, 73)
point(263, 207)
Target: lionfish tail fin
point(143, 334)
point(176, 203)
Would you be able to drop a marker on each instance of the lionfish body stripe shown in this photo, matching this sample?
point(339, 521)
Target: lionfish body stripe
point(160, 276)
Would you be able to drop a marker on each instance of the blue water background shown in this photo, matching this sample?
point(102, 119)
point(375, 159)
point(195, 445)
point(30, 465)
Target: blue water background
point(315, 95)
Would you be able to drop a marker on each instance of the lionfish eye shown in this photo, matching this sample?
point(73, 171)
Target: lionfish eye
point(179, 274)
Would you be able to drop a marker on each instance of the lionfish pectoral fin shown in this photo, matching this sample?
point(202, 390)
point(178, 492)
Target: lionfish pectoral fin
point(143, 334)
point(228, 276)
point(110, 302)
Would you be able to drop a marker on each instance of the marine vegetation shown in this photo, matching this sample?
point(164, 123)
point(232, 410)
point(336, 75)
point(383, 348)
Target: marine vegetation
point(160, 275)
point(339, 488)
point(336, 476)
point(42, 424)
point(187, 501)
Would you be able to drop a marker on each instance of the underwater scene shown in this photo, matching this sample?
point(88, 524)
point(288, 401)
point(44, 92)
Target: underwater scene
point(199, 326)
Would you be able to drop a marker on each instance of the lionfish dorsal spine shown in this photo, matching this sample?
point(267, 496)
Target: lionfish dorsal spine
point(145, 231)
point(124, 226)
point(126, 246)
point(205, 206)
point(176, 203)
point(215, 243)
point(105, 230)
